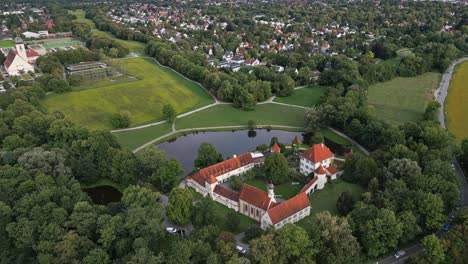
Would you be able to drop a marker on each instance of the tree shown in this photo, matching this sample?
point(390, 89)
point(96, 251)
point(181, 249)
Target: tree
point(409, 225)
point(180, 206)
point(432, 111)
point(120, 120)
point(433, 249)
point(168, 175)
point(169, 113)
point(203, 213)
point(338, 243)
point(345, 203)
point(312, 120)
point(207, 156)
point(276, 168)
point(431, 210)
point(125, 167)
point(232, 220)
point(293, 244)
point(58, 85)
point(263, 249)
point(251, 124)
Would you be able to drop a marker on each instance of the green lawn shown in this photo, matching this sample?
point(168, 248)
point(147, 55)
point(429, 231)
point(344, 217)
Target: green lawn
point(456, 103)
point(7, 43)
point(134, 46)
point(308, 96)
point(285, 190)
point(135, 138)
point(403, 99)
point(227, 115)
point(91, 84)
point(80, 17)
point(325, 199)
point(142, 100)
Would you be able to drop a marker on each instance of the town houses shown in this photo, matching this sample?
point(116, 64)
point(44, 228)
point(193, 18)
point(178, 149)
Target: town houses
point(257, 204)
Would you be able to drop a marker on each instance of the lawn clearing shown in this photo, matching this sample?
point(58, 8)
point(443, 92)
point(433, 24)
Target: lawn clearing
point(227, 115)
point(142, 100)
point(403, 99)
point(325, 199)
point(135, 138)
point(80, 17)
point(284, 191)
point(457, 102)
point(307, 96)
point(56, 43)
point(133, 46)
point(7, 43)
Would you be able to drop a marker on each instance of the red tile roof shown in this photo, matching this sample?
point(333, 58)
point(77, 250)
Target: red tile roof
point(320, 170)
point(31, 53)
point(275, 148)
point(318, 153)
point(308, 185)
point(10, 58)
point(288, 208)
point(225, 192)
point(210, 173)
point(256, 197)
point(332, 170)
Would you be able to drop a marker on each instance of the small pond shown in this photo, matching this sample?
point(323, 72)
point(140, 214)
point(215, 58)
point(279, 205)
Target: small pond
point(103, 194)
point(185, 148)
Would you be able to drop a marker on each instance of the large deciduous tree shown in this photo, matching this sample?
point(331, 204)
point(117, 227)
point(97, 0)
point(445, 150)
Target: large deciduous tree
point(207, 156)
point(180, 206)
point(276, 168)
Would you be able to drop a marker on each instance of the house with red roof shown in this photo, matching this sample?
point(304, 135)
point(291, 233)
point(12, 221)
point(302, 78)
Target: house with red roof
point(287, 212)
point(275, 148)
point(20, 60)
point(254, 202)
point(318, 160)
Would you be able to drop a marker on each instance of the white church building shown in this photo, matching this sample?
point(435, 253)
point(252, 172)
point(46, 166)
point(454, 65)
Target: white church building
point(19, 59)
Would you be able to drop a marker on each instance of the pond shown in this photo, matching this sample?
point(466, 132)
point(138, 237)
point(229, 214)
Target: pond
point(103, 194)
point(185, 148)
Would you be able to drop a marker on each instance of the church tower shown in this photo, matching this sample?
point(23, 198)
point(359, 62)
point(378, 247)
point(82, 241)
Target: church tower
point(20, 49)
point(271, 191)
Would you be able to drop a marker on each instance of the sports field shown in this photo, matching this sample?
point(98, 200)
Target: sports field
point(403, 99)
point(133, 46)
point(142, 99)
point(7, 43)
point(307, 96)
point(80, 17)
point(457, 102)
point(227, 115)
point(57, 43)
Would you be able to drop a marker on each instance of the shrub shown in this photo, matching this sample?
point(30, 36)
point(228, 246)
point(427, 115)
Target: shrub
point(120, 120)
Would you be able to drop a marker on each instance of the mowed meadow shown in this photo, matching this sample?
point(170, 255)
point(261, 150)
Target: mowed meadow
point(403, 99)
point(141, 99)
point(457, 103)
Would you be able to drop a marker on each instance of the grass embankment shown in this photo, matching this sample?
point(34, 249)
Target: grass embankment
point(227, 115)
point(142, 100)
point(403, 99)
point(80, 17)
point(7, 43)
point(325, 199)
point(135, 138)
point(457, 102)
point(307, 96)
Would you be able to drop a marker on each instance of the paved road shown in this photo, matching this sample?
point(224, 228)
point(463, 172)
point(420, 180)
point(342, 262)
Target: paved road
point(440, 95)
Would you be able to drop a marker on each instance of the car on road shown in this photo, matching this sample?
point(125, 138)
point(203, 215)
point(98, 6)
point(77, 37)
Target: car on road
point(241, 250)
point(446, 227)
point(171, 230)
point(399, 254)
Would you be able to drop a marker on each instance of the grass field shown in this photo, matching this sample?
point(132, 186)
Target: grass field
point(227, 115)
point(457, 102)
point(7, 43)
point(135, 138)
point(285, 190)
point(308, 96)
point(57, 43)
point(133, 46)
point(403, 99)
point(80, 17)
point(142, 100)
point(325, 199)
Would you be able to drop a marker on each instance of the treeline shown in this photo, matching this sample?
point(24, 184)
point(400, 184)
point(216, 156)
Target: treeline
point(411, 186)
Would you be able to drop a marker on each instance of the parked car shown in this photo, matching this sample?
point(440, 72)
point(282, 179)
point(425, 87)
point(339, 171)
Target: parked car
point(399, 254)
point(171, 230)
point(446, 227)
point(241, 250)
